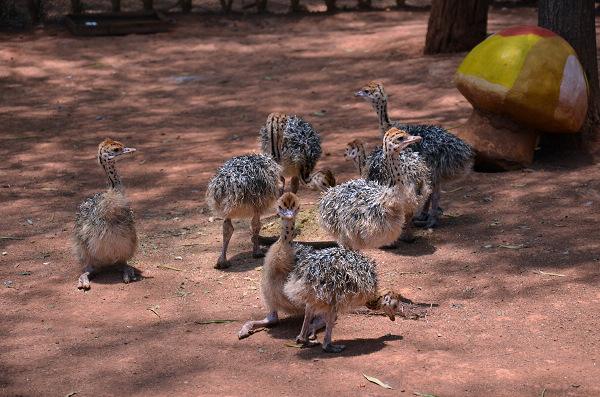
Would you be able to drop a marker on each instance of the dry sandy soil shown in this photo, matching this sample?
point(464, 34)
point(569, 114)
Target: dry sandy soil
point(514, 265)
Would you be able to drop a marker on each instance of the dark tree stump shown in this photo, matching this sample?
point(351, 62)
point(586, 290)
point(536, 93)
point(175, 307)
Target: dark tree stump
point(456, 25)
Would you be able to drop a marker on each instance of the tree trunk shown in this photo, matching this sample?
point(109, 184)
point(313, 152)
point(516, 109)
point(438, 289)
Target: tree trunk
point(148, 5)
point(456, 25)
point(186, 6)
point(364, 4)
point(331, 6)
point(574, 20)
point(76, 7)
point(261, 6)
point(226, 5)
point(116, 5)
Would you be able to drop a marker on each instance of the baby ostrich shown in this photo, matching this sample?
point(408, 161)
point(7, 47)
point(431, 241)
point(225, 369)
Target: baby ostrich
point(322, 180)
point(244, 187)
point(448, 156)
point(363, 214)
point(414, 172)
point(293, 143)
point(319, 282)
point(278, 264)
point(104, 233)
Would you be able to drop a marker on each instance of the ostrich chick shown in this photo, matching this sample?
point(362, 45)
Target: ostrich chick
point(322, 180)
point(365, 214)
point(104, 233)
point(293, 143)
point(413, 172)
point(279, 262)
point(244, 187)
point(327, 281)
point(447, 156)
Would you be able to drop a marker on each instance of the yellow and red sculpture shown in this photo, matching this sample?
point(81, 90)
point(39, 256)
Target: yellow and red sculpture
point(530, 76)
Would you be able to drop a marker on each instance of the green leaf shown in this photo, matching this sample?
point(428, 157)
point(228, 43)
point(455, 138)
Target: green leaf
point(377, 382)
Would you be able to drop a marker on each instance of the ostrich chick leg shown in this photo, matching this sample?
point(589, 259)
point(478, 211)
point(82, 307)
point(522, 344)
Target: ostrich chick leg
point(303, 338)
point(256, 251)
point(84, 279)
point(222, 262)
point(282, 188)
point(432, 219)
point(327, 345)
point(128, 274)
point(317, 324)
point(250, 326)
point(294, 184)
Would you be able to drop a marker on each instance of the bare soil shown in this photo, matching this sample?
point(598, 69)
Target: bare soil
point(514, 266)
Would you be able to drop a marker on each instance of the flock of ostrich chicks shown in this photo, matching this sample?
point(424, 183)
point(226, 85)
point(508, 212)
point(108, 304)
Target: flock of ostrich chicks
point(399, 186)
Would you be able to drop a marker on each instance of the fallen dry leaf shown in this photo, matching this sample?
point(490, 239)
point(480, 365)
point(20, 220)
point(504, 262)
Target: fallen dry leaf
point(154, 309)
point(454, 190)
point(548, 274)
point(377, 382)
point(511, 246)
point(169, 267)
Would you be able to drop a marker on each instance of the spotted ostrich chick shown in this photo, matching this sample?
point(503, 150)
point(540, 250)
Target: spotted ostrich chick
point(320, 282)
point(293, 143)
point(244, 187)
point(414, 173)
point(104, 233)
point(331, 280)
point(364, 214)
point(278, 263)
point(448, 156)
point(322, 180)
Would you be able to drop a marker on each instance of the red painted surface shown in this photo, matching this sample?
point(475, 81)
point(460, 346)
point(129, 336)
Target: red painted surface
point(517, 30)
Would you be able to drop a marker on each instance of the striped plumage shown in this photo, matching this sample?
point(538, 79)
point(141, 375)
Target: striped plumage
point(447, 156)
point(322, 180)
point(245, 186)
point(104, 232)
point(293, 143)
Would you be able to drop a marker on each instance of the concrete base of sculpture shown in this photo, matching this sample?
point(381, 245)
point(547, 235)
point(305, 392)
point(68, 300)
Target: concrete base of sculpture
point(499, 143)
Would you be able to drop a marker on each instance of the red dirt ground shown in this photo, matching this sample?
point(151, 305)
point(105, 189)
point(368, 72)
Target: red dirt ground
point(502, 327)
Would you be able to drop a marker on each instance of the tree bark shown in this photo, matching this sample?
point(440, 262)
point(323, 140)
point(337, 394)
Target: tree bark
point(456, 25)
point(76, 7)
point(116, 5)
point(148, 5)
point(574, 20)
point(186, 6)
